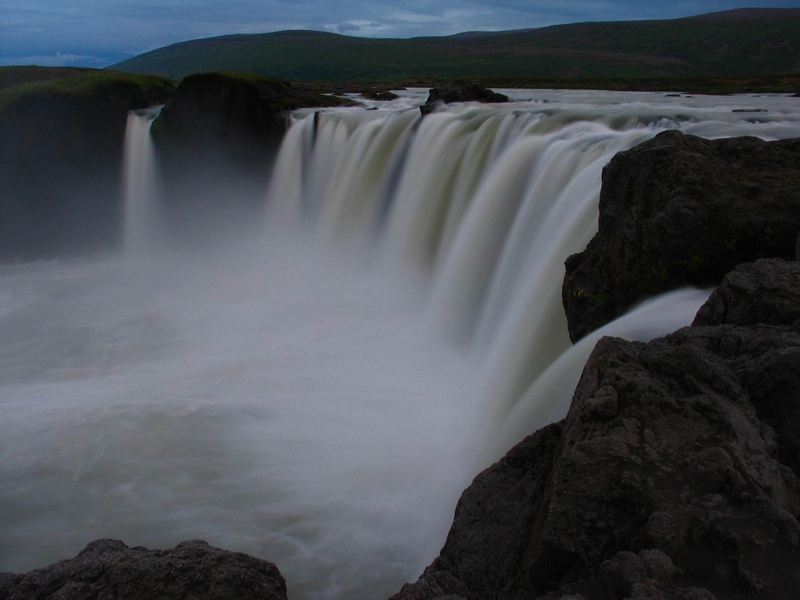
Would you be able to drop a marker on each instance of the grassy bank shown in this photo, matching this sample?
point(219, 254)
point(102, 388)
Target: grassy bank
point(24, 82)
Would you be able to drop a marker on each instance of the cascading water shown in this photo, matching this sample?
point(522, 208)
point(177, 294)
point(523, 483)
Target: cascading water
point(140, 181)
point(320, 395)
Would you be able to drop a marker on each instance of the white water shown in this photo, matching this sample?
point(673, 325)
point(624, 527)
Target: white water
point(140, 182)
point(320, 395)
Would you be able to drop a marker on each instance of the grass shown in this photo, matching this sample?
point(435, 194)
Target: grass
point(11, 76)
point(78, 83)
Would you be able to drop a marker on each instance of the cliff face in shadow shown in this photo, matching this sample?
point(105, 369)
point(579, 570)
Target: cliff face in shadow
point(681, 210)
point(61, 145)
point(217, 139)
point(61, 148)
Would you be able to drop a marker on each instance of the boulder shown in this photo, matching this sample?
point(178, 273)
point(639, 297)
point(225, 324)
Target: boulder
point(376, 93)
point(674, 474)
point(459, 91)
point(111, 570)
point(61, 144)
point(680, 210)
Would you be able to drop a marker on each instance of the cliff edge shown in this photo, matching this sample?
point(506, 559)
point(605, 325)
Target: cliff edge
point(680, 210)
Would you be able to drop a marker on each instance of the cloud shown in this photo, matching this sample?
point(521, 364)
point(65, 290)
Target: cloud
point(357, 27)
point(79, 32)
point(345, 27)
point(55, 60)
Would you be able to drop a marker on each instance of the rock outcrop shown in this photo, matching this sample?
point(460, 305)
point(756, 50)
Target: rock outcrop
point(681, 210)
point(61, 145)
point(377, 93)
point(674, 475)
point(459, 91)
point(217, 138)
point(110, 570)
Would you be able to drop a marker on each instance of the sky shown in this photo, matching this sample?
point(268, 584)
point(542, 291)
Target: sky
point(98, 33)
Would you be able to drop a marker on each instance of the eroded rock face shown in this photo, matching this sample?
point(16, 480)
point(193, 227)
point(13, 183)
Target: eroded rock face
point(217, 138)
point(681, 210)
point(60, 166)
point(674, 475)
point(111, 570)
point(459, 91)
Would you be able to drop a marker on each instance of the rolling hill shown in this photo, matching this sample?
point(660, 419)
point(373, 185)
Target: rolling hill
point(741, 42)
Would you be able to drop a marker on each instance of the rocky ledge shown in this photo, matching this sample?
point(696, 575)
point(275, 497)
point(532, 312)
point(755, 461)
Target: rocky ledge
point(682, 210)
point(459, 90)
point(110, 570)
point(217, 138)
point(674, 475)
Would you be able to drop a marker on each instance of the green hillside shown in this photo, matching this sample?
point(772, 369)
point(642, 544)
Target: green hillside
point(732, 43)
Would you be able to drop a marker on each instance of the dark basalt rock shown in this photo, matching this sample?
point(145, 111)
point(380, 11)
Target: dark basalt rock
point(762, 300)
point(484, 556)
point(60, 162)
point(681, 210)
point(109, 569)
point(217, 138)
point(459, 91)
point(674, 475)
point(375, 93)
point(761, 292)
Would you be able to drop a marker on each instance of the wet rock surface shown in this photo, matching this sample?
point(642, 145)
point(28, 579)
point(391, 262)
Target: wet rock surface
point(681, 210)
point(674, 475)
point(110, 570)
point(459, 91)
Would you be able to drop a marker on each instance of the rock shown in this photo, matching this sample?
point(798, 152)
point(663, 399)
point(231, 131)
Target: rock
point(681, 210)
point(111, 570)
point(459, 91)
point(440, 585)
point(485, 549)
point(61, 145)
point(375, 93)
point(765, 291)
point(217, 138)
point(673, 476)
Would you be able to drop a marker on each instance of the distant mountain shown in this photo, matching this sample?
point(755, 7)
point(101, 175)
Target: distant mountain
point(757, 41)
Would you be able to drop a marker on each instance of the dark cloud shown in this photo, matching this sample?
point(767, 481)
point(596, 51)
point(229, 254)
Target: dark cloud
point(97, 32)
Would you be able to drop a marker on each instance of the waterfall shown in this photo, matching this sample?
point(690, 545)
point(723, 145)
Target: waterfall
point(319, 391)
point(486, 202)
point(139, 181)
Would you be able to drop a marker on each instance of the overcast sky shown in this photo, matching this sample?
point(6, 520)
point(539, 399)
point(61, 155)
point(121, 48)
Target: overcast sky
point(98, 33)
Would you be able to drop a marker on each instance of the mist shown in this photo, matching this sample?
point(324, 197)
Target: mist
point(313, 373)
